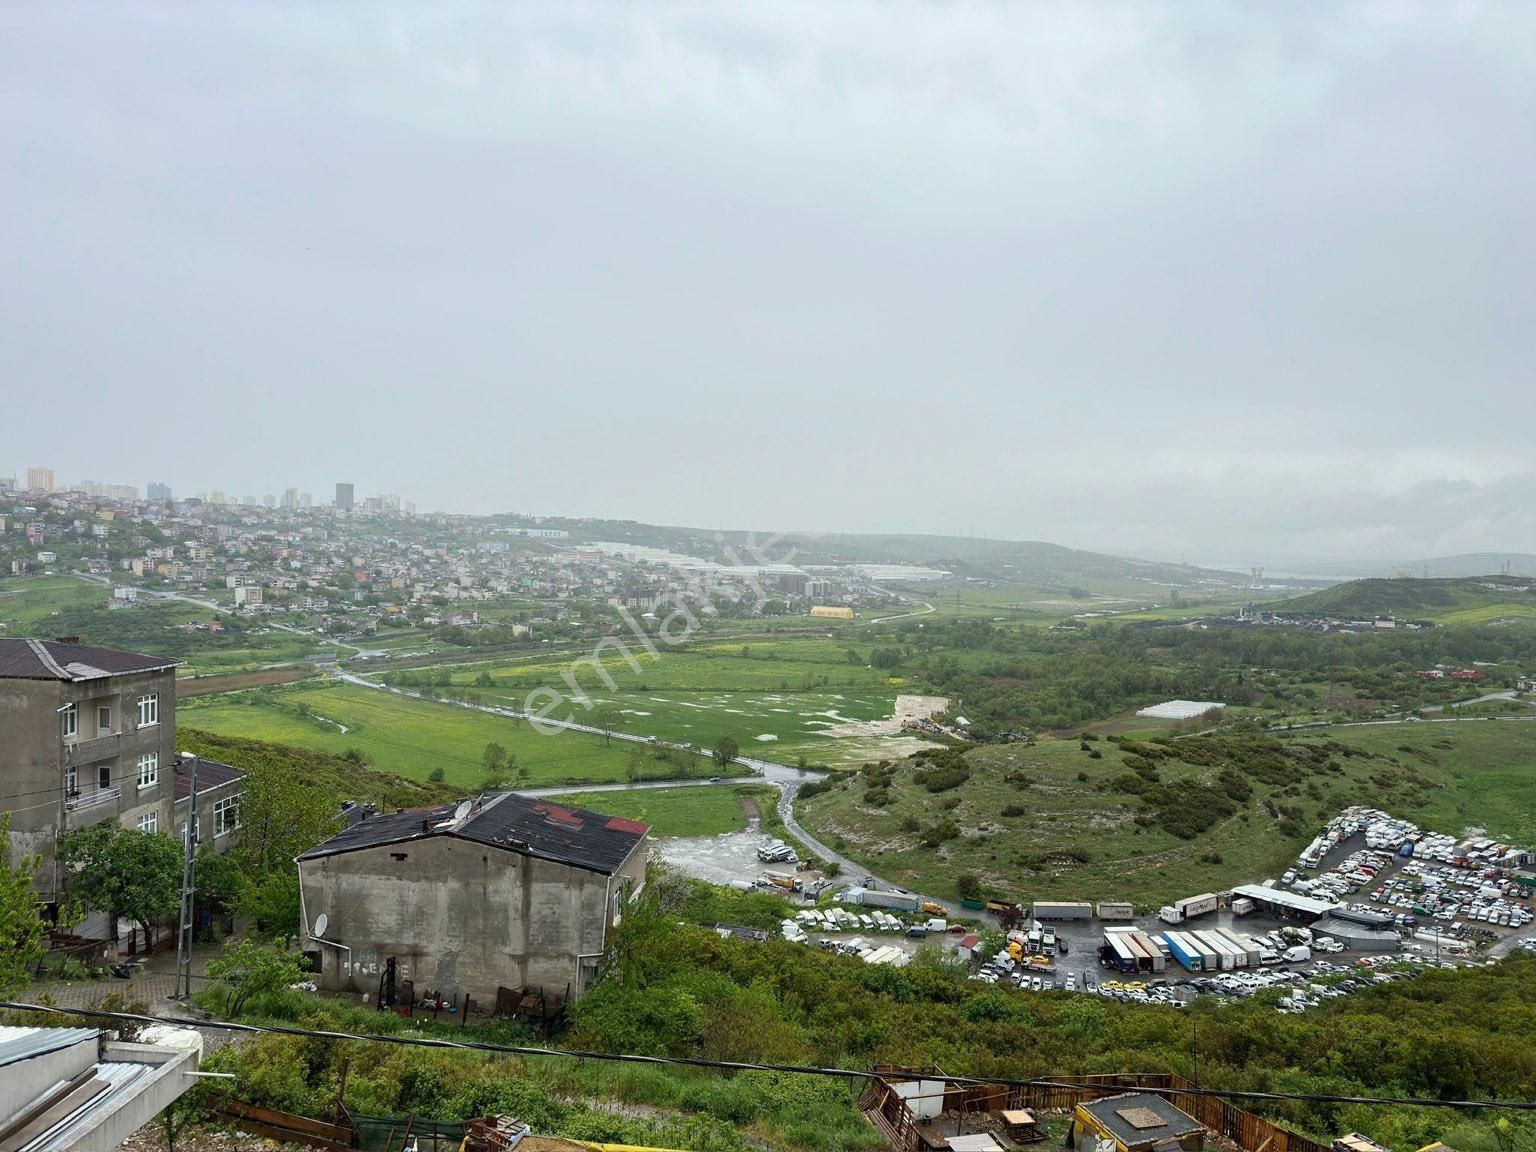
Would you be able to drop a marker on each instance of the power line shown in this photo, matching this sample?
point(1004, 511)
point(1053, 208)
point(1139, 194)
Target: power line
point(792, 1069)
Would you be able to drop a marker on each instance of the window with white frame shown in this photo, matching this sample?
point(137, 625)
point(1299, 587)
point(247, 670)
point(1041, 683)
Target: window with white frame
point(197, 828)
point(71, 782)
point(103, 719)
point(149, 822)
point(149, 769)
point(149, 710)
point(71, 718)
point(226, 816)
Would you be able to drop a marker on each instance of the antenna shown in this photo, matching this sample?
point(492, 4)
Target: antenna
point(322, 922)
point(462, 810)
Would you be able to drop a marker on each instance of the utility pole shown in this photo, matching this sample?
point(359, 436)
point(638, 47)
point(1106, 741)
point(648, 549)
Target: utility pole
point(183, 986)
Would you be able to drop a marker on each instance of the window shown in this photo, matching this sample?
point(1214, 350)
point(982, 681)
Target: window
point(103, 719)
point(197, 829)
point(71, 782)
point(149, 822)
point(149, 710)
point(71, 715)
point(226, 816)
point(149, 769)
point(103, 776)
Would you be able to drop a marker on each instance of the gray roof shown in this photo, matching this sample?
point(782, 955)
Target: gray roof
point(29, 1043)
point(1107, 1111)
point(526, 825)
point(22, 659)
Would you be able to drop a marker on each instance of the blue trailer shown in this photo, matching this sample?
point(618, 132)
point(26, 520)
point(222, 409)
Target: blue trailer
point(1185, 952)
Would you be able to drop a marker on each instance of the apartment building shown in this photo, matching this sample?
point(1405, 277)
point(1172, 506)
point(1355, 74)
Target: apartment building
point(89, 734)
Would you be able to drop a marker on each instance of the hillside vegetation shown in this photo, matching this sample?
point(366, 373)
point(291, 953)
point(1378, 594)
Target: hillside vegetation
point(1472, 599)
point(1147, 820)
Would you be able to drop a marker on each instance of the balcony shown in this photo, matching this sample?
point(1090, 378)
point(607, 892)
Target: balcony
point(91, 798)
point(95, 748)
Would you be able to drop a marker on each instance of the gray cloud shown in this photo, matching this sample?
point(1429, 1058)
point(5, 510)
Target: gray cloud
point(1177, 280)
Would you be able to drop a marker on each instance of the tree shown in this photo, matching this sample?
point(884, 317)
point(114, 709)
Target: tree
point(251, 969)
point(607, 717)
point(494, 758)
point(21, 931)
point(129, 873)
point(632, 770)
point(724, 751)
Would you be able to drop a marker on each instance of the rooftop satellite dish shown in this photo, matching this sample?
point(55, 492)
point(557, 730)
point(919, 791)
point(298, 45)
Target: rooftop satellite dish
point(462, 810)
point(322, 922)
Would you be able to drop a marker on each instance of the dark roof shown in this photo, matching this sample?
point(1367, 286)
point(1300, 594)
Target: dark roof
point(510, 821)
point(1108, 1110)
point(55, 660)
point(210, 775)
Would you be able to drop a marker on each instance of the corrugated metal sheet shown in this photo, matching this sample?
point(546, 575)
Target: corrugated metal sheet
point(18, 1044)
point(120, 1078)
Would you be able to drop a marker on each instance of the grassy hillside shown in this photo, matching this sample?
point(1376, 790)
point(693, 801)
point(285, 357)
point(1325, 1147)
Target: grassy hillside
point(1149, 821)
point(412, 738)
point(1467, 600)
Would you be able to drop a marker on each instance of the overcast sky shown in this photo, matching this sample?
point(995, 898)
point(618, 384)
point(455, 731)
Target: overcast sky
point(1224, 282)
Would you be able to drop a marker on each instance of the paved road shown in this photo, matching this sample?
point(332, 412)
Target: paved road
point(926, 610)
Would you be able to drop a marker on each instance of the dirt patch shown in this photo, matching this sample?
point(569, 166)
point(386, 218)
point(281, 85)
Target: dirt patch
point(751, 811)
point(884, 739)
point(233, 682)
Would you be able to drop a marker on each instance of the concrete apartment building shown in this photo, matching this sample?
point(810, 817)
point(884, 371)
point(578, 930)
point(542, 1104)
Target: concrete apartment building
point(507, 892)
point(89, 734)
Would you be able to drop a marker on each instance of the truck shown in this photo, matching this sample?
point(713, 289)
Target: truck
point(1002, 907)
point(1242, 906)
point(1296, 954)
point(1062, 910)
point(1116, 910)
point(777, 852)
point(871, 898)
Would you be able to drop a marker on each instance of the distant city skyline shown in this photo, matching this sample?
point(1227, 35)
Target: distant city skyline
point(1156, 280)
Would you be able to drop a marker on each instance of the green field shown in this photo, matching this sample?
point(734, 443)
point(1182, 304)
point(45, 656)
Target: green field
point(673, 811)
point(1072, 832)
point(414, 737)
point(771, 697)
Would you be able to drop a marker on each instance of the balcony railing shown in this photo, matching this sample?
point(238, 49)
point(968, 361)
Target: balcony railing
point(92, 798)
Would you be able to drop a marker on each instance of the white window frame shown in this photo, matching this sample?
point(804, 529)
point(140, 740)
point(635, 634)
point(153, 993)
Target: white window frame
point(226, 815)
point(149, 822)
point(70, 721)
point(150, 761)
point(71, 781)
point(103, 729)
point(149, 710)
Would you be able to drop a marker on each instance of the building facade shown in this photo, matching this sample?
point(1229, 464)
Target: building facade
point(344, 497)
point(505, 892)
point(88, 734)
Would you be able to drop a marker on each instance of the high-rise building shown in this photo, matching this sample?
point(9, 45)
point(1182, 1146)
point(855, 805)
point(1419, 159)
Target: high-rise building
point(290, 497)
point(305, 500)
point(39, 479)
point(269, 500)
point(344, 497)
point(159, 493)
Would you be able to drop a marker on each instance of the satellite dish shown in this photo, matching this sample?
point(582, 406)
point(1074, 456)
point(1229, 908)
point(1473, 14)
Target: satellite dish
point(322, 922)
point(462, 810)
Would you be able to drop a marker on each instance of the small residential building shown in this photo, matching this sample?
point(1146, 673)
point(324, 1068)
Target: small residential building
point(503, 892)
point(1135, 1122)
point(248, 596)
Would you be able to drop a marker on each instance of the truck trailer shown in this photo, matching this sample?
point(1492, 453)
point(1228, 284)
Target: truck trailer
point(1062, 910)
point(1116, 910)
point(1185, 952)
point(1188, 908)
point(872, 898)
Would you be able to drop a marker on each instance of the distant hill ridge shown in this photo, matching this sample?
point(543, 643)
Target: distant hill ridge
point(1456, 600)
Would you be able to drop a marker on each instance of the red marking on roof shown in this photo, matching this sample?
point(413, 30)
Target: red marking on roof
point(559, 815)
point(620, 824)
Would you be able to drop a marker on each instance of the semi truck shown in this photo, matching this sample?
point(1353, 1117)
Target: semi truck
point(1188, 908)
point(1062, 910)
point(872, 898)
